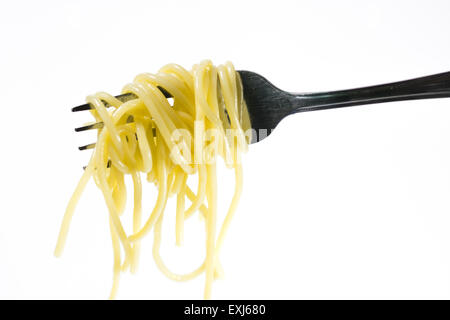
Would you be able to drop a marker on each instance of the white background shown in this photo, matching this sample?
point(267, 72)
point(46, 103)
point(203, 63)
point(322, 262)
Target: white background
point(349, 203)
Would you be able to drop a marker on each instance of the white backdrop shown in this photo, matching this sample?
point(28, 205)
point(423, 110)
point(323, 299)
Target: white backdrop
point(350, 203)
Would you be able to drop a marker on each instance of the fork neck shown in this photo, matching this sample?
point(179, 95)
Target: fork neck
point(429, 87)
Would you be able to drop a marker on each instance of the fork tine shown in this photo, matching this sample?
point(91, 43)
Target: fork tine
point(86, 147)
point(122, 97)
point(83, 107)
point(97, 125)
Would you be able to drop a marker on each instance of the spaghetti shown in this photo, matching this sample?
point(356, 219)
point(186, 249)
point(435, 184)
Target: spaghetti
point(168, 143)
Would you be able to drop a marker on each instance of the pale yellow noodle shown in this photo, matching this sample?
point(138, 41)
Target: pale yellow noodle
point(137, 212)
point(179, 222)
point(116, 264)
point(71, 208)
point(168, 143)
point(210, 229)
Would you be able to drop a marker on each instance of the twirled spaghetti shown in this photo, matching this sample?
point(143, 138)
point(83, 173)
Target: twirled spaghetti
point(167, 143)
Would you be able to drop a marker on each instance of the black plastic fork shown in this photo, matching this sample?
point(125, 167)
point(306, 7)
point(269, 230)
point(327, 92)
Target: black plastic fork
point(267, 105)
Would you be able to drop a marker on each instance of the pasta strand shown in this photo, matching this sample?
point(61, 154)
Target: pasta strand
point(168, 142)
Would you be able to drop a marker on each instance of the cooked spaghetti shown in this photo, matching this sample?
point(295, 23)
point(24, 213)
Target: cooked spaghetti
point(168, 143)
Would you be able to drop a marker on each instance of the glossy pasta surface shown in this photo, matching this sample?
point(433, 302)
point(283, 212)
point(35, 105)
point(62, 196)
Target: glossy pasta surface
point(150, 139)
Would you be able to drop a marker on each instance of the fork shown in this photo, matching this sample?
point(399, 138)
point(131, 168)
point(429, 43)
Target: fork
point(267, 105)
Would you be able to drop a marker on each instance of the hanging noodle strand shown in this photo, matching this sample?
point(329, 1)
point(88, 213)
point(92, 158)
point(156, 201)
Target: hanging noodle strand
point(166, 143)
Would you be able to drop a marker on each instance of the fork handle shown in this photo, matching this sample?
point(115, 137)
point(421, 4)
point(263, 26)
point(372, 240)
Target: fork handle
point(429, 87)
